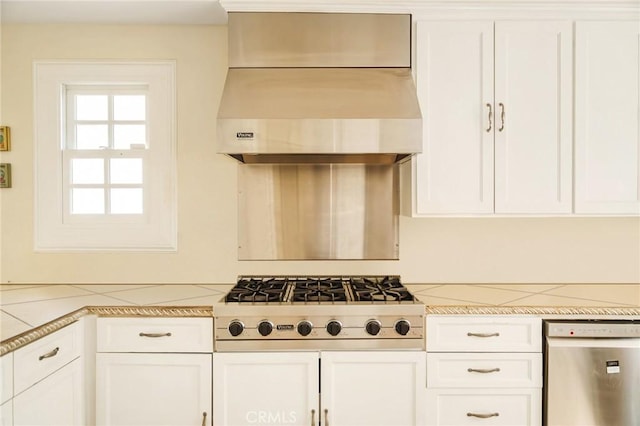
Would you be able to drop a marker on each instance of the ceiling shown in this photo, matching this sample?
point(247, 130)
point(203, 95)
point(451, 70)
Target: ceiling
point(113, 11)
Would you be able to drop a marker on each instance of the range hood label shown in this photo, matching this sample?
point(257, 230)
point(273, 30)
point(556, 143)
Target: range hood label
point(613, 367)
point(244, 135)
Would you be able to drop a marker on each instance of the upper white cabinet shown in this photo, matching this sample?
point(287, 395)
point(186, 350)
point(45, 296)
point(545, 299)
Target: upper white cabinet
point(496, 100)
point(454, 62)
point(607, 127)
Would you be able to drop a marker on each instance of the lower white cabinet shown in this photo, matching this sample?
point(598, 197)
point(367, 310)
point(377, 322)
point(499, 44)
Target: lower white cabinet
point(154, 371)
point(484, 370)
point(56, 400)
point(508, 407)
point(153, 389)
point(335, 388)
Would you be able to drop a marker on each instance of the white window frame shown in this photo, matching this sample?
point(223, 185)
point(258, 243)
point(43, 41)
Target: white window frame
point(55, 229)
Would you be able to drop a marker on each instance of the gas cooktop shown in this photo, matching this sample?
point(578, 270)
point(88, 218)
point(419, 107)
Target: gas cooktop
point(369, 289)
point(313, 313)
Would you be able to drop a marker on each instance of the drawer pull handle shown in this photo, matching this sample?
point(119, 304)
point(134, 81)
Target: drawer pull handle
point(483, 416)
point(155, 334)
point(204, 418)
point(49, 354)
point(483, 334)
point(483, 370)
point(313, 417)
point(326, 417)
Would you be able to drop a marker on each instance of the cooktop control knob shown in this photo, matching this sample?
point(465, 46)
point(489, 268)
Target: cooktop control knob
point(334, 327)
point(304, 328)
point(236, 328)
point(265, 328)
point(373, 327)
point(402, 327)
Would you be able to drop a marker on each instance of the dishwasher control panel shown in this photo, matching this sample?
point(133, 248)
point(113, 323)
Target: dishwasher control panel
point(593, 329)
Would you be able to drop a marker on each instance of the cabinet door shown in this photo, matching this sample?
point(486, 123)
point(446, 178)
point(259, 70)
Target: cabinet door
point(56, 400)
point(454, 64)
point(265, 388)
point(153, 389)
point(607, 121)
point(533, 87)
point(373, 388)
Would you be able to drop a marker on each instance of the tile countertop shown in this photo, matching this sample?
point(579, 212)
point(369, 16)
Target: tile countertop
point(28, 312)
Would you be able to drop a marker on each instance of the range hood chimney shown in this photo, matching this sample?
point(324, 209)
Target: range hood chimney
point(319, 88)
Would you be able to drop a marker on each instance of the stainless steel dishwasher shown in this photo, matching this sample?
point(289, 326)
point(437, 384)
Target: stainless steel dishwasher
point(592, 373)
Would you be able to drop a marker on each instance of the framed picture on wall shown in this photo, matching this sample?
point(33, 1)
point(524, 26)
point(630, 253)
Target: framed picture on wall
point(5, 175)
point(5, 138)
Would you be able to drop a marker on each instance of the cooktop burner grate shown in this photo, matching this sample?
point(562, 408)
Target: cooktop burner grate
point(254, 290)
point(369, 289)
point(387, 289)
point(319, 290)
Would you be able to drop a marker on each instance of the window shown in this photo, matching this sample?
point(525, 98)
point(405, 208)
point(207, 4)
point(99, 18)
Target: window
point(105, 151)
point(105, 156)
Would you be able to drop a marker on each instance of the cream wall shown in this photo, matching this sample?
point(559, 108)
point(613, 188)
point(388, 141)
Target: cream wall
point(431, 250)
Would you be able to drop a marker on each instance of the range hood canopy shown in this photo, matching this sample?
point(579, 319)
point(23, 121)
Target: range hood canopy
point(319, 88)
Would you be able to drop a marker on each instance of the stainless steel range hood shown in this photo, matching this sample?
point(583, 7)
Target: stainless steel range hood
point(320, 108)
point(319, 88)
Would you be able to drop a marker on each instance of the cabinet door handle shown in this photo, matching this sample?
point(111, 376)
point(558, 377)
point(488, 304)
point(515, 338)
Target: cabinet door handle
point(313, 417)
point(326, 417)
point(483, 370)
point(204, 418)
point(483, 416)
point(501, 105)
point(49, 354)
point(483, 334)
point(490, 117)
point(155, 334)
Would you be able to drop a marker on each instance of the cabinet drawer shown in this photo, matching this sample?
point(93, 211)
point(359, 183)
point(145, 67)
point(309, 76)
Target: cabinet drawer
point(484, 370)
point(501, 407)
point(39, 359)
point(487, 333)
point(155, 334)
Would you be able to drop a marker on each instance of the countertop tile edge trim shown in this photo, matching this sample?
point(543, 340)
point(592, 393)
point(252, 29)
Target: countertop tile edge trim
point(152, 311)
point(30, 336)
point(23, 339)
point(531, 310)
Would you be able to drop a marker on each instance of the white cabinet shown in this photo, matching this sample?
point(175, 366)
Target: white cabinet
point(56, 400)
point(373, 388)
point(276, 388)
point(139, 382)
point(496, 100)
point(607, 124)
point(153, 389)
point(336, 388)
point(484, 368)
point(48, 381)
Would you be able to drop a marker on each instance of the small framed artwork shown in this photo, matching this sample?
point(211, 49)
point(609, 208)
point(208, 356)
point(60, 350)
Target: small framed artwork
point(5, 175)
point(5, 138)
